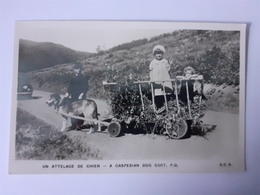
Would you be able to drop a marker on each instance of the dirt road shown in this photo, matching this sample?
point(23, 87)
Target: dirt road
point(223, 141)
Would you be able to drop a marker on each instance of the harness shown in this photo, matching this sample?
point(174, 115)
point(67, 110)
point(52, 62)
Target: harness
point(63, 101)
point(57, 105)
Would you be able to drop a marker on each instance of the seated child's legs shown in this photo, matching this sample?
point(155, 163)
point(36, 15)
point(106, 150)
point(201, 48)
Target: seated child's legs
point(159, 101)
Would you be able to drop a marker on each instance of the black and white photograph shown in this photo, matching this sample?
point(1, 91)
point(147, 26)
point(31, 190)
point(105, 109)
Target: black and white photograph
point(131, 97)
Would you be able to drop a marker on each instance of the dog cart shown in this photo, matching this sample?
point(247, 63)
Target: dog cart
point(179, 116)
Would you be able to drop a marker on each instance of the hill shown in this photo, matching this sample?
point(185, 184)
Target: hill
point(214, 54)
point(39, 55)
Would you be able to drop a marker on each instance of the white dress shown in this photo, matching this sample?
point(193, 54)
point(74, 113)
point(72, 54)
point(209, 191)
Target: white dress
point(159, 71)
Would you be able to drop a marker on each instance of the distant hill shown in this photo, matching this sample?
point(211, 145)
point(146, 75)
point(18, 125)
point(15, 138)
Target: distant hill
point(39, 55)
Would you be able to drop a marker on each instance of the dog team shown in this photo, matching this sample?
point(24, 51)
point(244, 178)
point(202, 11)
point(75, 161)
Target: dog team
point(74, 104)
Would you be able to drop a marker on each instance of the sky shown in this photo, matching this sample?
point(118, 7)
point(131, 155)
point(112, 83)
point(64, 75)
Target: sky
point(88, 35)
point(83, 36)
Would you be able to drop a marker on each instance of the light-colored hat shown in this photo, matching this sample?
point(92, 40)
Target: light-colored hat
point(159, 48)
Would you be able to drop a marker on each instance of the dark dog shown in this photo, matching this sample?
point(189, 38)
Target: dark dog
point(84, 108)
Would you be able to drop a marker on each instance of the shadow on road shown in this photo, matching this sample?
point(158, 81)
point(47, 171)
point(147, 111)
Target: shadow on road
point(205, 132)
point(28, 98)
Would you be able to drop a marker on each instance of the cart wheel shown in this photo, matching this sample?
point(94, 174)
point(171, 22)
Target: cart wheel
point(114, 129)
point(178, 130)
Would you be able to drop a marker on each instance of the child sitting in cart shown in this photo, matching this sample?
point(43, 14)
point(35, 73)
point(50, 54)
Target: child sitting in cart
point(195, 92)
point(194, 87)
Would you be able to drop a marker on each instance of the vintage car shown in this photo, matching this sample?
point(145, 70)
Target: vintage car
point(24, 88)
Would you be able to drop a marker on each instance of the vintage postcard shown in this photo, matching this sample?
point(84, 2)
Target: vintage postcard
point(128, 97)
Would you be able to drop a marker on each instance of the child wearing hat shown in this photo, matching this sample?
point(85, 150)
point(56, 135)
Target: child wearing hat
point(159, 71)
point(78, 85)
point(77, 89)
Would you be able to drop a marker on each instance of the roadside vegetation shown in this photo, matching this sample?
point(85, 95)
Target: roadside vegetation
point(36, 140)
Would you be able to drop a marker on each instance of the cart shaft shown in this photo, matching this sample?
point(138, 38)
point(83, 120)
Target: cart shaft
point(84, 119)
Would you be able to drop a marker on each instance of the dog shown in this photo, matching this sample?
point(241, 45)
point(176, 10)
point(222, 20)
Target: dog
point(82, 108)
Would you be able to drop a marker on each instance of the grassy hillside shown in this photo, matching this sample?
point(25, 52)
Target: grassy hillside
point(35, 56)
point(215, 54)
